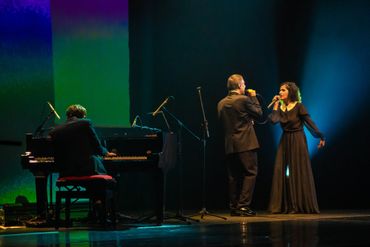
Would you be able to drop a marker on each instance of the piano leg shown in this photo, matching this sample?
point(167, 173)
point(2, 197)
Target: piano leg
point(160, 190)
point(41, 194)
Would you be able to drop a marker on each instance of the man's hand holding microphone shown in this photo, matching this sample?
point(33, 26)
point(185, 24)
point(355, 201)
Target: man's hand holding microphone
point(250, 92)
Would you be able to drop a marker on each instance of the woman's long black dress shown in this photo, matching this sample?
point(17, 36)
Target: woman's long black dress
point(293, 192)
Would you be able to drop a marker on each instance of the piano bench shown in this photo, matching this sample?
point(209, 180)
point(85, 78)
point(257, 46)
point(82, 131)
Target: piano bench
point(99, 189)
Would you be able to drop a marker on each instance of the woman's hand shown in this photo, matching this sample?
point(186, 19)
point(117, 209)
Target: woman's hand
point(276, 99)
point(321, 144)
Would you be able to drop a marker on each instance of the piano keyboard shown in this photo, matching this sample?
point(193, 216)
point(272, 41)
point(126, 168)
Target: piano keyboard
point(123, 158)
point(38, 160)
point(50, 159)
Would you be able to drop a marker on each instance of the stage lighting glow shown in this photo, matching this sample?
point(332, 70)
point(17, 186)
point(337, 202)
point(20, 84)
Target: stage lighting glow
point(91, 59)
point(334, 84)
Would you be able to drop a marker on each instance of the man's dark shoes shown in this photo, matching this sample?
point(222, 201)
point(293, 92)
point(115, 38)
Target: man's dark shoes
point(243, 211)
point(247, 211)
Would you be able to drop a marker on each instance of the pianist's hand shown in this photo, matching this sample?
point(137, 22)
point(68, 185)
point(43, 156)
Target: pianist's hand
point(110, 154)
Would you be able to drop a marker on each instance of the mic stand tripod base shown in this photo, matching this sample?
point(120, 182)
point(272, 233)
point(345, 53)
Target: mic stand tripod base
point(123, 218)
point(204, 212)
point(157, 221)
point(180, 216)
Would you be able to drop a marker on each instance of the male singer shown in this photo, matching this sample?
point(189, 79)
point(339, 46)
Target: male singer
point(237, 112)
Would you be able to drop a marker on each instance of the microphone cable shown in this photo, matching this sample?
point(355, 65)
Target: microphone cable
point(264, 118)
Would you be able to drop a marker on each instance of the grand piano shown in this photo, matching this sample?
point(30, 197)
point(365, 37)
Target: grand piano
point(137, 149)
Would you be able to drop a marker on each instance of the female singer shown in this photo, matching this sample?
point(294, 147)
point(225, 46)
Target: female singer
point(293, 187)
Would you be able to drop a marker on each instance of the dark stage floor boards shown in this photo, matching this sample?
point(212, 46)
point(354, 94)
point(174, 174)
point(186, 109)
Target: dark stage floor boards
point(330, 228)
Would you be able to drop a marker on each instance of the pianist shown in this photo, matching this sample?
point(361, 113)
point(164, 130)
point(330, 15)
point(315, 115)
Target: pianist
point(77, 148)
point(78, 151)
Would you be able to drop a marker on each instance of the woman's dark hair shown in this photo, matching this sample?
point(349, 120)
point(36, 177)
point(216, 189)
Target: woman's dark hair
point(294, 92)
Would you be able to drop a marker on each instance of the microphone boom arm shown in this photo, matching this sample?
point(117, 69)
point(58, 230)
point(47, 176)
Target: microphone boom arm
point(160, 107)
point(53, 110)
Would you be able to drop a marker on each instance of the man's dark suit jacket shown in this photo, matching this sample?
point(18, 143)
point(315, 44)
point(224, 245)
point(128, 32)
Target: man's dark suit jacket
point(77, 148)
point(236, 113)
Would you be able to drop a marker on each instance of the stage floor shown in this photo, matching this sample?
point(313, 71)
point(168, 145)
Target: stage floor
point(330, 228)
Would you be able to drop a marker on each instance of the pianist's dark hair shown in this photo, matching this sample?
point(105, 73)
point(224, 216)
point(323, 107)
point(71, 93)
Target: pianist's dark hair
point(76, 111)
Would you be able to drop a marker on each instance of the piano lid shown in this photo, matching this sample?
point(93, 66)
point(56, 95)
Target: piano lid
point(39, 146)
point(127, 133)
point(131, 141)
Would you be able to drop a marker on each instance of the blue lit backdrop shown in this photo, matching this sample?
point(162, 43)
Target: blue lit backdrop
point(336, 71)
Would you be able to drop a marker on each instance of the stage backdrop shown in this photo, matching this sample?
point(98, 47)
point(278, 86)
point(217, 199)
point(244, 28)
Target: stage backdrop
point(26, 80)
point(64, 52)
point(91, 58)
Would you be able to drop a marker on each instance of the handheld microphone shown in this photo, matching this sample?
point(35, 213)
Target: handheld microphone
point(53, 110)
point(162, 105)
point(273, 102)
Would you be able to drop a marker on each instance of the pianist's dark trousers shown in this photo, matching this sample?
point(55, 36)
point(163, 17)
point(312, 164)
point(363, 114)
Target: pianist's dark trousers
point(93, 166)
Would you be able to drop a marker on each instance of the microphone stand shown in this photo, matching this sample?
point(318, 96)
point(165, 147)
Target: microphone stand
point(40, 128)
point(203, 212)
point(179, 214)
